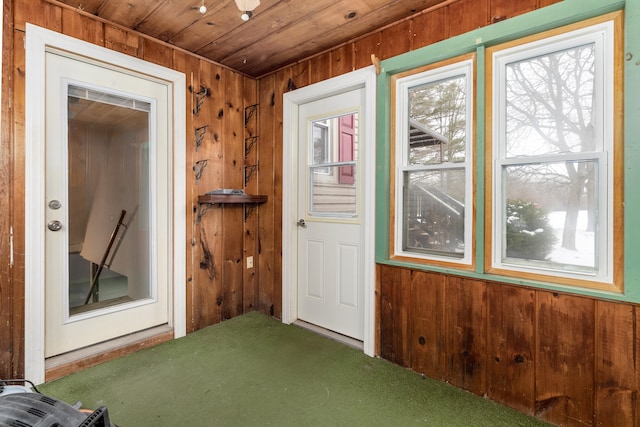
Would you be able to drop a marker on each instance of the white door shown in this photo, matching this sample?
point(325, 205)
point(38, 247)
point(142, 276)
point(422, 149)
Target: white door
point(330, 231)
point(107, 191)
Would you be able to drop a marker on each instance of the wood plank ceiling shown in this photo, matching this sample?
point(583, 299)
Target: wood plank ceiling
point(279, 33)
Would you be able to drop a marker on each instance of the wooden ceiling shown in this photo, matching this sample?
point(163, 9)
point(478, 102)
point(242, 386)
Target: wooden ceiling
point(279, 33)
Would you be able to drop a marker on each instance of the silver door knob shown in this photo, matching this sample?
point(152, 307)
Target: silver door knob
point(301, 223)
point(54, 225)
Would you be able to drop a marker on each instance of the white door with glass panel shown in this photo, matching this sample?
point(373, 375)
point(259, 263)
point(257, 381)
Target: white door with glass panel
point(330, 231)
point(107, 203)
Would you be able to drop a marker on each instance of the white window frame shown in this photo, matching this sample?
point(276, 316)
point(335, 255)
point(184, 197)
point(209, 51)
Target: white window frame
point(403, 85)
point(602, 35)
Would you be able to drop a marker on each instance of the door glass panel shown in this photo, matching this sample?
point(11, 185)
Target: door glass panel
point(333, 166)
point(108, 182)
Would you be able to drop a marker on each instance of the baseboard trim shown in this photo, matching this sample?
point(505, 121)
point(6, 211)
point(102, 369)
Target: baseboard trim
point(68, 363)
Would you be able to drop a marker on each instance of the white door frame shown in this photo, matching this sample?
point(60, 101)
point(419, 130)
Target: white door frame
point(38, 40)
point(363, 78)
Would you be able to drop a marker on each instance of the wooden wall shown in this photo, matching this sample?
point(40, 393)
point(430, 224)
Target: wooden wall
point(566, 359)
point(218, 286)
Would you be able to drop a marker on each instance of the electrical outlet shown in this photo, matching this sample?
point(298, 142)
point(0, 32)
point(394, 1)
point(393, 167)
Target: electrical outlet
point(249, 262)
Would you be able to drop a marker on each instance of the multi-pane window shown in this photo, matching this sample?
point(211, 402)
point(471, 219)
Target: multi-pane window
point(552, 139)
point(433, 177)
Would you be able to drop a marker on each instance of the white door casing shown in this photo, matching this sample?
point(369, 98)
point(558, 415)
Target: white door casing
point(38, 42)
point(364, 79)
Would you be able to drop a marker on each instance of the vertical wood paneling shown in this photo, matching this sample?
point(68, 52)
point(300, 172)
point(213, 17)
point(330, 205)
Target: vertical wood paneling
point(300, 76)
point(17, 216)
point(428, 312)
point(504, 9)
point(466, 332)
point(461, 21)
point(521, 347)
point(82, 27)
point(364, 48)
point(429, 28)
point(617, 365)
point(320, 68)
point(544, 3)
point(395, 40)
point(120, 40)
point(233, 169)
point(395, 294)
point(37, 12)
point(266, 185)
point(250, 232)
point(6, 195)
point(569, 360)
point(158, 53)
point(281, 86)
point(565, 358)
point(342, 60)
point(378, 304)
point(189, 65)
point(210, 279)
point(511, 346)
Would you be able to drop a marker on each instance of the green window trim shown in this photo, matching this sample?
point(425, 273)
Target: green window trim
point(547, 18)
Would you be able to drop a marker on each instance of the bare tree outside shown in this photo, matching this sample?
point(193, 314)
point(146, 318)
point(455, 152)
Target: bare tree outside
point(434, 201)
point(550, 111)
point(441, 106)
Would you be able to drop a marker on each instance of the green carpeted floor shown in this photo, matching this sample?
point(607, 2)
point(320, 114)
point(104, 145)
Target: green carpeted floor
point(254, 371)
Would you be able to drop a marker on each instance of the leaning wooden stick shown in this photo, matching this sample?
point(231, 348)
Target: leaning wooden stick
point(112, 239)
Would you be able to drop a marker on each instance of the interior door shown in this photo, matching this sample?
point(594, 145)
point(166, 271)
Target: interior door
point(330, 232)
point(107, 203)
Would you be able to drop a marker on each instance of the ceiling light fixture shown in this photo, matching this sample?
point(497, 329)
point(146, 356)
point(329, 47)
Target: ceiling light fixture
point(203, 8)
point(246, 7)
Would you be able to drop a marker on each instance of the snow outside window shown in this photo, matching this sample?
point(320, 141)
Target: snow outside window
point(553, 155)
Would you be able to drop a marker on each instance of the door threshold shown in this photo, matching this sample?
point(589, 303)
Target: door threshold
point(351, 342)
point(73, 361)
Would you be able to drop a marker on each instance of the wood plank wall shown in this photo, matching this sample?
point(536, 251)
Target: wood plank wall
point(569, 360)
point(566, 359)
point(218, 286)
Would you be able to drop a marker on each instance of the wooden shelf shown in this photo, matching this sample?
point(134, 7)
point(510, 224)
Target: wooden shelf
point(231, 198)
point(248, 201)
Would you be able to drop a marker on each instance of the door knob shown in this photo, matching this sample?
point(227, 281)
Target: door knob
point(302, 223)
point(54, 225)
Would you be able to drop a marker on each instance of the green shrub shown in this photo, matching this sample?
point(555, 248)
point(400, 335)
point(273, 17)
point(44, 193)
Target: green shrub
point(529, 235)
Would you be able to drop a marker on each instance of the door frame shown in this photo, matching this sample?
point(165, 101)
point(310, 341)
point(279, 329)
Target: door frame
point(362, 78)
point(38, 41)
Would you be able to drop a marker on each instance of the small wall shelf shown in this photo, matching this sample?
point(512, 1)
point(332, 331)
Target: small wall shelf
point(248, 201)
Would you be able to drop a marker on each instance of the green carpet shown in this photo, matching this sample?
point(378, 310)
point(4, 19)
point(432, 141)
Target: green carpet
point(255, 371)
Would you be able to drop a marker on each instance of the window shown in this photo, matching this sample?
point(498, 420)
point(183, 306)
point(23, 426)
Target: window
point(333, 166)
point(321, 144)
point(433, 174)
point(553, 156)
